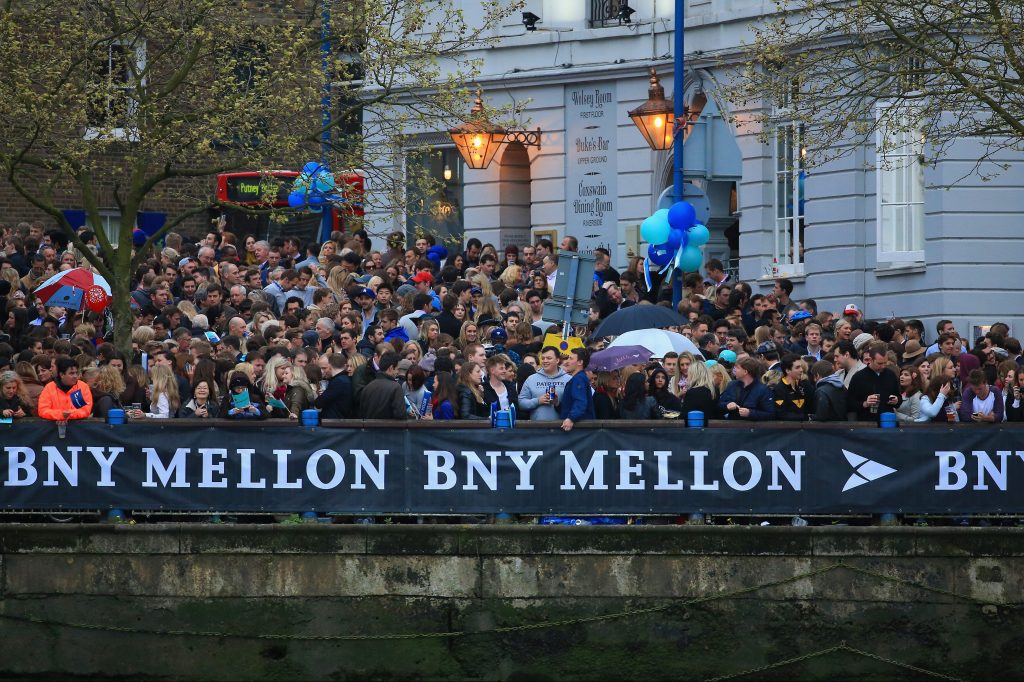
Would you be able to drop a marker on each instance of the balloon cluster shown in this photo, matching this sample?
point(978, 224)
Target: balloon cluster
point(675, 238)
point(314, 188)
point(436, 254)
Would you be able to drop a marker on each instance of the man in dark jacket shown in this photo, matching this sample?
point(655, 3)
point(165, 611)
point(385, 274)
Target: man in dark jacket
point(747, 397)
point(383, 397)
point(336, 400)
point(367, 371)
point(829, 393)
point(876, 388)
point(577, 400)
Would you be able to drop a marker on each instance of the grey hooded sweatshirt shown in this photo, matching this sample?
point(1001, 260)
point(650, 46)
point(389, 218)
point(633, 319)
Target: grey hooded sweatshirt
point(534, 387)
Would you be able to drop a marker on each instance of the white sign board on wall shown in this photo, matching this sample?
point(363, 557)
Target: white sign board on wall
point(591, 165)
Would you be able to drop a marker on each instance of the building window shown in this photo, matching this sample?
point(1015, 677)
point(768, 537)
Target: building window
point(604, 13)
point(900, 190)
point(788, 237)
point(434, 194)
point(110, 223)
point(112, 108)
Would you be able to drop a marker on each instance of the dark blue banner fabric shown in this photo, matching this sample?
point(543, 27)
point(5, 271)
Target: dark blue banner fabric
point(539, 471)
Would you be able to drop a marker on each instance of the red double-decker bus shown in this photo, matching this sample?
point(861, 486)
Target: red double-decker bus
point(250, 189)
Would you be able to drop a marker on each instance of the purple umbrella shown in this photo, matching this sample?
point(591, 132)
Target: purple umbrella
point(618, 357)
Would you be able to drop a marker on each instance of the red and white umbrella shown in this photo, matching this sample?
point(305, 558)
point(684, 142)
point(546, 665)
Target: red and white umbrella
point(74, 288)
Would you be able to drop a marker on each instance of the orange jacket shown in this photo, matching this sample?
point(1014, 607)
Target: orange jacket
point(54, 402)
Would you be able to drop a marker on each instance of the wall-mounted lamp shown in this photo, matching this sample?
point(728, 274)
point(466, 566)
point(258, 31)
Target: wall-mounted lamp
point(447, 172)
point(655, 118)
point(530, 21)
point(478, 139)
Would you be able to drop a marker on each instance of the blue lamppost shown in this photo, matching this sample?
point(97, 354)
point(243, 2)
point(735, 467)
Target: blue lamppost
point(327, 219)
point(663, 124)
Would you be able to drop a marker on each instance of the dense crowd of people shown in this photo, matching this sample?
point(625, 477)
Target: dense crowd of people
point(251, 330)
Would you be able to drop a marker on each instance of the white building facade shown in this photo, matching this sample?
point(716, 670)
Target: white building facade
point(910, 241)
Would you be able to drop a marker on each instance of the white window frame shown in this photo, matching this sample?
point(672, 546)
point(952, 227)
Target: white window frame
point(787, 228)
point(899, 167)
point(111, 225)
point(131, 132)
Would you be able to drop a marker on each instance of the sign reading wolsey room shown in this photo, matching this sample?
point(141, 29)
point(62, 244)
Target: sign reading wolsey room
point(628, 471)
point(591, 164)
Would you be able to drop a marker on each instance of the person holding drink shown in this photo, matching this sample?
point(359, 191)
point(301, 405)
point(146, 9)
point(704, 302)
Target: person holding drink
point(875, 389)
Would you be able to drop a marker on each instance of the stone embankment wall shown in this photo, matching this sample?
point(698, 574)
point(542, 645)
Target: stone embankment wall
point(194, 601)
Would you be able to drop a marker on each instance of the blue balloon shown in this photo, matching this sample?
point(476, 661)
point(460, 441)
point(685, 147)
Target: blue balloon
point(676, 238)
point(316, 200)
point(316, 209)
point(325, 181)
point(297, 199)
point(682, 215)
point(698, 235)
point(691, 260)
point(655, 230)
point(659, 255)
point(311, 168)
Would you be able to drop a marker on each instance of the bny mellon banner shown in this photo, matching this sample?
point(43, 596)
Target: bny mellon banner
point(192, 467)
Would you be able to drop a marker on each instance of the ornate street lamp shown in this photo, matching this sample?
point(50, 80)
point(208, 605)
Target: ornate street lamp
point(655, 117)
point(478, 139)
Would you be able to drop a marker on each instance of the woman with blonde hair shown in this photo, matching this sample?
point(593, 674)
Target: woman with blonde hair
point(702, 391)
point(719, 376)
point(106, 393)
point(13, 398)
point(339, 280)
point(679, 381)
point(327, 249)
point(412, 353)
point(762, 334)
point(429, 331)
point(469, 333)
point(512, 276)
point(280, 381)
point(487, 309)
point(163, 395)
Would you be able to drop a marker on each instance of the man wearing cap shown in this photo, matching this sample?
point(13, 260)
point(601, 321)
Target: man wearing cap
point(366, 299)
point(769, 353)
point(499, 337)
point(860, 342)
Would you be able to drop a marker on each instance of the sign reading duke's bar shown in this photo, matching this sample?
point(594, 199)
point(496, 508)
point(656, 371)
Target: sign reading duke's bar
point(596, 471)
point(591, 165)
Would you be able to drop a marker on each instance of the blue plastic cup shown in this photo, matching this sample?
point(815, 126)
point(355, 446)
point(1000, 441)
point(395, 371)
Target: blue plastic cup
point(695, 419)
point(310, 418)
point(887, 420)
point(115, 416)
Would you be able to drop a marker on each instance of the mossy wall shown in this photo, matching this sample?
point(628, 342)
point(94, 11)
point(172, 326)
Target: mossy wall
point(192, 601)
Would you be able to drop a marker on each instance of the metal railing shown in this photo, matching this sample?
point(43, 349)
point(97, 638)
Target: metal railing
point(604, 13)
